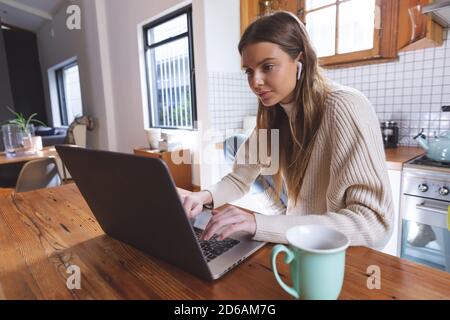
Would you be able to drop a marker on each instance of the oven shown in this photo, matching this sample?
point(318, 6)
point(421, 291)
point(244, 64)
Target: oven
point(424, 231)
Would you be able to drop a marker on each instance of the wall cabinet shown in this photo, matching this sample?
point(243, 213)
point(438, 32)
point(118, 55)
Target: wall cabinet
point(416, 30)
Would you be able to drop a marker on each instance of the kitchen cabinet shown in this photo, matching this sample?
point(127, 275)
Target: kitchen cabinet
point(252, 9)
point(417, 30)
point(181, 173)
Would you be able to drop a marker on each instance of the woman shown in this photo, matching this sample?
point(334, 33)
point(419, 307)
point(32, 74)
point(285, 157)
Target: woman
point(331, 155)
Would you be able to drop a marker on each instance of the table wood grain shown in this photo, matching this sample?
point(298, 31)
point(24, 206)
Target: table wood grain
point(44, 232)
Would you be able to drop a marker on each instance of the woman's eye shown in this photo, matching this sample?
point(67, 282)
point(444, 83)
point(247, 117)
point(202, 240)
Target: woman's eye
point(268, 67)
point(248, 72)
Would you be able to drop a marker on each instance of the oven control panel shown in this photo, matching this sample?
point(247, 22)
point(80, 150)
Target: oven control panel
point(443, 191)
point(438, 190)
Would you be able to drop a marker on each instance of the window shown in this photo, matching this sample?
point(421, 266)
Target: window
point(69, 93)
point(170, 71)
point(342, 26)
point(344, 31)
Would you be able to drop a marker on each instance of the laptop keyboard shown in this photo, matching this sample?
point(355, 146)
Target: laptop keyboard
point(213, 248)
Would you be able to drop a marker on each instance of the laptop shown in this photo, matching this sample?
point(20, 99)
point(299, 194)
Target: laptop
point(134, 199)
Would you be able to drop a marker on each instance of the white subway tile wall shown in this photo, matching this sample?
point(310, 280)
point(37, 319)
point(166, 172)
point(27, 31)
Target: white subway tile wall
point(230, 100)
point(409, 91)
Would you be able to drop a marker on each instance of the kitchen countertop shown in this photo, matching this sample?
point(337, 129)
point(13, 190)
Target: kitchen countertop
point(44, 232)
point(396, 157)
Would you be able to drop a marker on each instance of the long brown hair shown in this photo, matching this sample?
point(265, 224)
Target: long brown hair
point(298, 135)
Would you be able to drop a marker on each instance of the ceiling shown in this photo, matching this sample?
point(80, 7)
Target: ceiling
point(29, 14)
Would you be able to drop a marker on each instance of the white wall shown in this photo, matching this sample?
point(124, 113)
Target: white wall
point(222, 20)
point(125, 22)
point(409, 91)
point(222, 28)
point(110, 54)
point(215, 27)
point(89, 47)
point(124, 36)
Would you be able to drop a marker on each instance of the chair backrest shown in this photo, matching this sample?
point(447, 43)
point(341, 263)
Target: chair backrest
point(38, 174)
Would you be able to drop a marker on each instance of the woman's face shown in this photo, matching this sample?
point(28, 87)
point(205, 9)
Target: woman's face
point(271, 72)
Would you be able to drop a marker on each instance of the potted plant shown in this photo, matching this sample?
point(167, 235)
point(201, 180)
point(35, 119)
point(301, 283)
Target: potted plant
point(24, 123)
point(26, 126)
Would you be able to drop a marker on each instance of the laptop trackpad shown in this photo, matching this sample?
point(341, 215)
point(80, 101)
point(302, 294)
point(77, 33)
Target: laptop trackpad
point(202, 219)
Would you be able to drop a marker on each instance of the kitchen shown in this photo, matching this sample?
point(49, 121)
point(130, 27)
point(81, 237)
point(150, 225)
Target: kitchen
point(405, 76)
point(410, 95)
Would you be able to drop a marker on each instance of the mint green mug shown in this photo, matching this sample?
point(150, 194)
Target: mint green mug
point(316, 256)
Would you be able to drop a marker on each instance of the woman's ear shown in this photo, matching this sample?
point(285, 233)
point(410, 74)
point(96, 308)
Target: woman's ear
point(300, 57)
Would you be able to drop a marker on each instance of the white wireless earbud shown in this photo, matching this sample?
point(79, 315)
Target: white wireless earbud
point(299, 73)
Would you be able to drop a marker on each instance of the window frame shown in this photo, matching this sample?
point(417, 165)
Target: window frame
point(385, 37)
point(60, 84)
point(189, 33)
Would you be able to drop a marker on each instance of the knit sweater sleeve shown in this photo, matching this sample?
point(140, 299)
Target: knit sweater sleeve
point(359, 183)
point(238, 182)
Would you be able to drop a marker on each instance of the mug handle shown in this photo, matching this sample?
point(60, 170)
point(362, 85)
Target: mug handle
point(288, 259)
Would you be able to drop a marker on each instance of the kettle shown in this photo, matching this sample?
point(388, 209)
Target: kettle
point(438, 149)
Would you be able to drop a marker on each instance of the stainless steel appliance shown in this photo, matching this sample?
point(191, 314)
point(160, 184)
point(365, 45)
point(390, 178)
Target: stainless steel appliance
point(424, 234)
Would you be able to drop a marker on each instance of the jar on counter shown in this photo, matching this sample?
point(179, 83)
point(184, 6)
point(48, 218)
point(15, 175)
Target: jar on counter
point(389, 130)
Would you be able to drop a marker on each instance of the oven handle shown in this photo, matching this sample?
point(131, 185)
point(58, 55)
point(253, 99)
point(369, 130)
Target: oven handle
point(421, 206)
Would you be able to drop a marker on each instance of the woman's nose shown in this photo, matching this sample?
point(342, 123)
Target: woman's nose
point(256, 82)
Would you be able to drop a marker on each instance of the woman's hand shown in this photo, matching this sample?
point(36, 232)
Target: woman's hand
point(228, 221)
point(193, 203)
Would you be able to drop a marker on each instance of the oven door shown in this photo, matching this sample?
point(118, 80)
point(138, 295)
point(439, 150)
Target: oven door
point(425, 237)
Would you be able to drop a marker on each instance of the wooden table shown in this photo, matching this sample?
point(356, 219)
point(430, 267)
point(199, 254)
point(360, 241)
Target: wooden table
point(44, 232)
point(45, 153)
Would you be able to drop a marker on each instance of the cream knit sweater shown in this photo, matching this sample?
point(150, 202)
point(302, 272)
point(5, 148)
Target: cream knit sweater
point(346, 185)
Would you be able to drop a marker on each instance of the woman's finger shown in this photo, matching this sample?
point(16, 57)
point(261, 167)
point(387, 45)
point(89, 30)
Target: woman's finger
point(232, 229)
point(187, 205)
point(196, 210)
point(218, 213)
point(227, 212)
point(216, 224)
